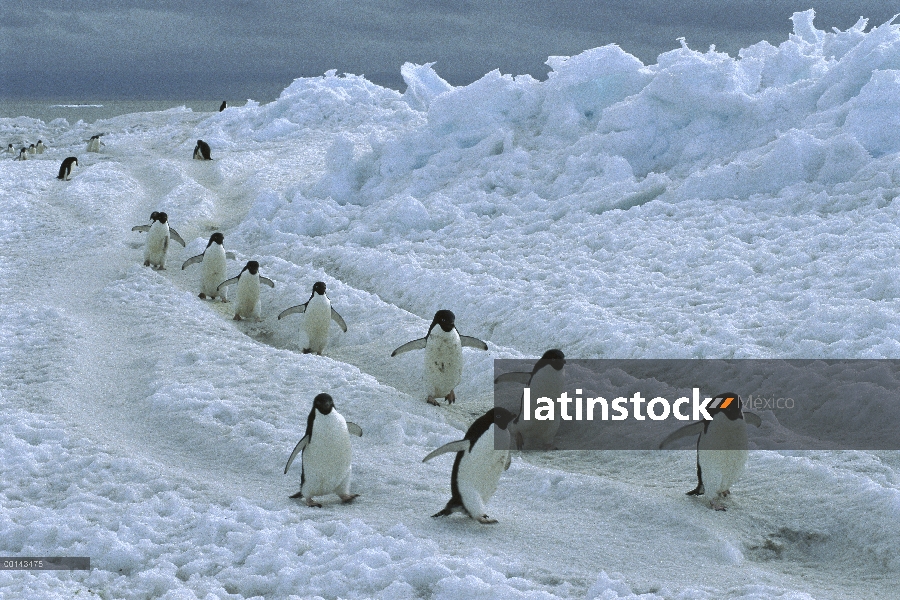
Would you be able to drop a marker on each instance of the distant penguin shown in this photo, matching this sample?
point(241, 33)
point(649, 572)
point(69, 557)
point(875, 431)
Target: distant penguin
point(248, 280)
point(326, 453)
point(223, 107)
point(213, 259)
point(40, 147)
point(443, 355)
point(94, 143)
point(10, 149)
point(23, 154)
point(201, 151)
point(478, 466)
point(319, 314)
point(31, 149)
point(158, 236)
point(65, 169)
point(546, 380)
point(721, 447)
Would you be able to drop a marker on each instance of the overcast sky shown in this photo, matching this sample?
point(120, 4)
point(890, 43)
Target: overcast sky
point(238, 49)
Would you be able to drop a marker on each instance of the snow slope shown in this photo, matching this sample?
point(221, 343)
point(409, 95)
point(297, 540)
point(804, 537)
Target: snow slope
point(701, 207)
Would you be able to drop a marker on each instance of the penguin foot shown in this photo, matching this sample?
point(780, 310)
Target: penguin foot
point(348, 498)
point(202, 296)
point(716, 505)
point(146, 263)
point(312, 503)
point(237, 317)
point(432, 402)
point(307, 350)
point(485, 520)
point(725, 494)
point(451, 397)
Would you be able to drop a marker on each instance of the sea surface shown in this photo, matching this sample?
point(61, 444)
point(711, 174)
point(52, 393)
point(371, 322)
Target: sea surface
point(92, 111)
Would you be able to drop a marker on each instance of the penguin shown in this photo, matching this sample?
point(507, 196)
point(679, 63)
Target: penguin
point(223, 107)
point(22, 154)
point(40, 147)
point(65, 169)
point(325, 466)
point(94, 143)
point(201, 151)
point(721, 447)
point(10, 149)
point(158, 240)
point(443, 355)
point(248, 280)
point(546, 380)
point(31, 149)
point(213, 259)
point(319, 314)
point(477, 467)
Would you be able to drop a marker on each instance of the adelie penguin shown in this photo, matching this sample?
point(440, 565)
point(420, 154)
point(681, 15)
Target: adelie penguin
point(158, 236)
point(40, 147)
point(721, 448)
point(23, 154)
point(65, 169)
point(248, 280)
point(213, 271)
point(201, 151)
point(32, 150)
point(319, 314)
point(94, 143)
point(443, 356)
point(223, 107)
point(477, 467)
point(325, 467)
point(546, 380)
point(10, 149)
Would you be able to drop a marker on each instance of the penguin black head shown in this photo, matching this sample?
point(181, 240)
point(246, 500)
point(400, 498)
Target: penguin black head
point(445, 318)
point(554, 358)
point(221, 108)
point(161, 217)
point(502, 417)
point(217, 238)
point(319, 288)
point(40, 142)
point(323, 403)
point(729, 404)
point(252, 267)
point(154, 216)
point(31, 146)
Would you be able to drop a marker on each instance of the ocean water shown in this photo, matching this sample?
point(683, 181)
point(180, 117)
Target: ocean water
point(94, 110)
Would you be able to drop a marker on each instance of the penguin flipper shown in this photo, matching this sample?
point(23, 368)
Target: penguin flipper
point(174, 235)
point(471, 342)
point(753, 419)
point(418, 344)
point(231, 255)
point(228, 282)
point(191, 261)
point(267, 281)
point(297, 449)
point(457, 446)
point(339, 320)
point(144, 228)
point(354, 429)
point(300, 308)
point(515, 377)
point(687, 430)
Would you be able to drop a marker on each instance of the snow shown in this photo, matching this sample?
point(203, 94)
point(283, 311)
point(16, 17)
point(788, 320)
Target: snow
point(704, 206)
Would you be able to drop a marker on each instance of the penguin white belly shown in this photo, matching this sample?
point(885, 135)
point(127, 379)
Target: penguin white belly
point(539, 435)
point(247, 303)
point(318, 319)
point(480, 469)
point(213, 272)
point(443, 362)
point(722, 454)
point(157, 245)
point(326, 460)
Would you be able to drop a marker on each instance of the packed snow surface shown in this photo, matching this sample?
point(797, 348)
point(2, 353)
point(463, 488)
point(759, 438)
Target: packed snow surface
point(704, 206)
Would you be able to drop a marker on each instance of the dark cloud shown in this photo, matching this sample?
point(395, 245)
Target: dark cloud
point(239, 49)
